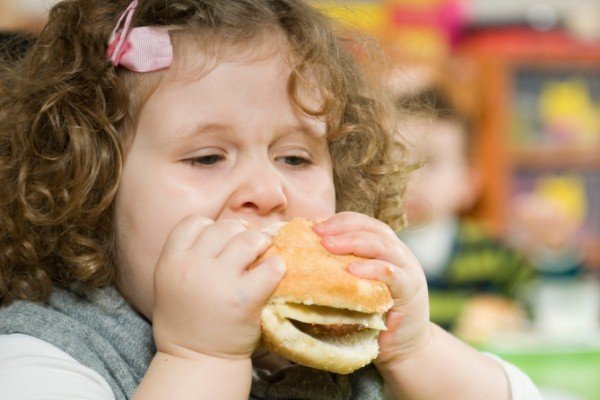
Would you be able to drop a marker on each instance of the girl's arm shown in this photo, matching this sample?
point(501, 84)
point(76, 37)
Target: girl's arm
point(200, 377)
point(206, 313)
point(417, 359)
point(446, 368)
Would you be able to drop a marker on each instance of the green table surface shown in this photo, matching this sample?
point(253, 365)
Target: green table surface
point(569, 367)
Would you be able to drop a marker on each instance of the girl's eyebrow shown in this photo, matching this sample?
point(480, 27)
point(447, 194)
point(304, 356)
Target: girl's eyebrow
point(302, 128)
point(185, 133)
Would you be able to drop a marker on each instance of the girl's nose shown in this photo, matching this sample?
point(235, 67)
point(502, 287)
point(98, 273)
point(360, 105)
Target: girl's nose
point(260, 191)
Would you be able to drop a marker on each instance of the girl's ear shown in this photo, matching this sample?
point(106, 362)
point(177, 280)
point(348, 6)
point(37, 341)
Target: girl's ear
point(471, 189)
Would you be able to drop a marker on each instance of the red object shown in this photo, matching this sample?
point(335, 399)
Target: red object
point(449, 16)
point(530, 44)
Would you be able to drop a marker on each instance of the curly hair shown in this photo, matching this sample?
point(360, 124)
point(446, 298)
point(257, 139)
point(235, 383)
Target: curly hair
point(66, 115)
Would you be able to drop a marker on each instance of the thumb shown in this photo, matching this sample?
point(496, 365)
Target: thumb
point(263, 279)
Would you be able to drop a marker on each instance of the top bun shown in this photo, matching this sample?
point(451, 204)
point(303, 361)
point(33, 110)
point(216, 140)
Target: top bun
point(316, 277)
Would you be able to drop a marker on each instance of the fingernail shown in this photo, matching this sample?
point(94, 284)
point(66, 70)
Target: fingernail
point(329, 240)
point(318, 227)
point(279, 265)
point(267, 239)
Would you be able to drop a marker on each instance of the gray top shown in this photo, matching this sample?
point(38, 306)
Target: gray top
point(101, 331)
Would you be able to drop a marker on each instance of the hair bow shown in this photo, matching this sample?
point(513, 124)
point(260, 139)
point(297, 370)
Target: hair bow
point(141, 49)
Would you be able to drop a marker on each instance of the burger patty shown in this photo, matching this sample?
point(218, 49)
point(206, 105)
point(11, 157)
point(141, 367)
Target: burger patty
point(333, 329)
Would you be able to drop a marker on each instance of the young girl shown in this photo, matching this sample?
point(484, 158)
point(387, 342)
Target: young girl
point(143, 148)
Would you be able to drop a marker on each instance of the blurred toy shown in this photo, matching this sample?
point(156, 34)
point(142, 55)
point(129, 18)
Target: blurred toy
point(547, 222)
point(568, 113)
point(549, 228)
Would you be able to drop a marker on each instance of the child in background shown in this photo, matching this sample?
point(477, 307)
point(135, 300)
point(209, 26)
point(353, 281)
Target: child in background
point(126, 176)
point(469, 273)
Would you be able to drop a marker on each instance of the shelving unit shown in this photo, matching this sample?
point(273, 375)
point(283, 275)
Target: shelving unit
point(547, 158)
point(522, 75)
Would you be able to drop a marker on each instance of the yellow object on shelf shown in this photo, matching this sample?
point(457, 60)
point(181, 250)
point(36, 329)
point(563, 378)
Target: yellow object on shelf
point(567, 192)
point(568, 107)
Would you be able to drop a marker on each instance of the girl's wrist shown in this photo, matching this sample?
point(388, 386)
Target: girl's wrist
point(181, 353)
point(200, 376)
point(397, 361)
point(444, 368)
point(198, 364)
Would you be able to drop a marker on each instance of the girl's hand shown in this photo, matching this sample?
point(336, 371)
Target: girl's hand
point(206, 301)
point(392, 263)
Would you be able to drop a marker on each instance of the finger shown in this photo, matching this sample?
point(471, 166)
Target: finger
point(213, 240)
point(244, 248)
point(370, 245)
point(185, 233)
point(351, 221)
point(359, 243)
point(399, 282)
point(263, 279)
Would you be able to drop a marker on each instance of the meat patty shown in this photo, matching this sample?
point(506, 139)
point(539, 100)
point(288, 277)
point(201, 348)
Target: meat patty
point(333, 329)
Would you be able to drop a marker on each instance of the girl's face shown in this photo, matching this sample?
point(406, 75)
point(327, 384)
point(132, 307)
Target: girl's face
point(227, 145)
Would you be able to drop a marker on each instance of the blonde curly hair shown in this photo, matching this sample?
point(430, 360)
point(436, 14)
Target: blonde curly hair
point(66, 115)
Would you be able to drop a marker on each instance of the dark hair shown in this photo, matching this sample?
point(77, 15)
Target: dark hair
point(436, 103)
point(66, 114)
point(14, 45)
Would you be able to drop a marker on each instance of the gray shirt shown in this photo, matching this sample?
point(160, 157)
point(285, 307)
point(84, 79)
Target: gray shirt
point(101, 331)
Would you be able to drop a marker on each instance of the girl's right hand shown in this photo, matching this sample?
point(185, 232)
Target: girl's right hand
point(206, 301)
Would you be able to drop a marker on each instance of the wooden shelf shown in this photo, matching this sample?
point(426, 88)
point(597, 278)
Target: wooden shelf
point(592, 256)
point(566, 157)
point(525, 45)
point(499, 56)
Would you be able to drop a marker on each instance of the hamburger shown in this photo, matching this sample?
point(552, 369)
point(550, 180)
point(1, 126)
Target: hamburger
point(320, 315)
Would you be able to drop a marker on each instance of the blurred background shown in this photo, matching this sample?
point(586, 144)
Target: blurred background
point(517, 256)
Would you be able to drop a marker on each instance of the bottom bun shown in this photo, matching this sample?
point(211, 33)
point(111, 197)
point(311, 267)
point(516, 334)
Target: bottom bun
point(341, 354)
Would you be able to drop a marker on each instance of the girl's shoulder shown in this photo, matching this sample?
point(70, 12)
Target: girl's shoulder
point(521, 386)
point(33, 368)
point(16, 345)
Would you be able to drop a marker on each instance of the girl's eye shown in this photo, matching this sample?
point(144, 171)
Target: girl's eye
point(205, 160)
point(296, 161)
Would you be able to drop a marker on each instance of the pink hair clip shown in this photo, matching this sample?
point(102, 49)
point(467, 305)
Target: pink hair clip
point(142, 49)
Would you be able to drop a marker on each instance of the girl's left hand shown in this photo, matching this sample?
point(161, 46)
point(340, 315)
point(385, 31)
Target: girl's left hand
point(391, 262)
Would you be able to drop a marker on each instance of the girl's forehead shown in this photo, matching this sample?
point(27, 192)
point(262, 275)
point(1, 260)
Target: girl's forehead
point(194, 62)
point(196, 53)
point(239, 97)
